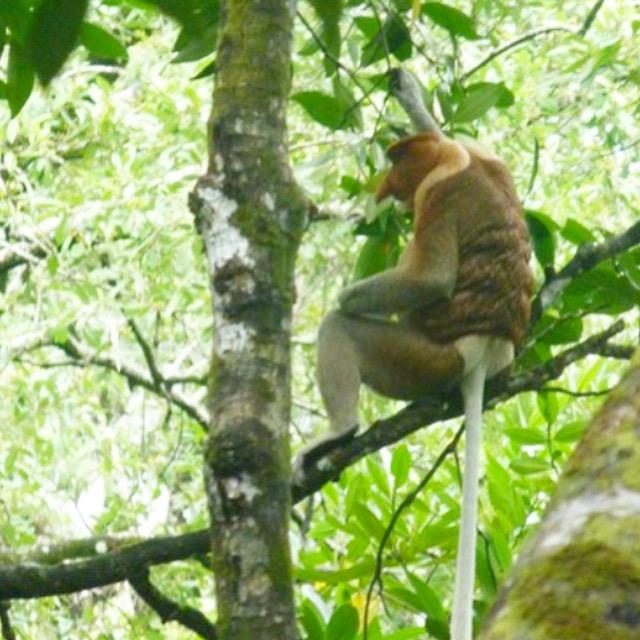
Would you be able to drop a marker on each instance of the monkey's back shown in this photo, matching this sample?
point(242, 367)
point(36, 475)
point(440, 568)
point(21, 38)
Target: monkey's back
point(492, 295)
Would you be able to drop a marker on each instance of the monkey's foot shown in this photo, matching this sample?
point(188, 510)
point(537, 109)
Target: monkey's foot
point(319, 449)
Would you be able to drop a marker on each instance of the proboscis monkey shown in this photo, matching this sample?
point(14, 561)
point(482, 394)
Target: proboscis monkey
point(450, 313)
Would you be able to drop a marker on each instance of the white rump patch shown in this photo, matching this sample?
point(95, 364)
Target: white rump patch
point(495, 353)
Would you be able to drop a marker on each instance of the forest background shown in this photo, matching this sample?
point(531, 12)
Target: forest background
point(106, 319)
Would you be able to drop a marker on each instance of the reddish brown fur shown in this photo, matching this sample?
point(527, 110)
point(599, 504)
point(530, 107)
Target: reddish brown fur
point(494, 282)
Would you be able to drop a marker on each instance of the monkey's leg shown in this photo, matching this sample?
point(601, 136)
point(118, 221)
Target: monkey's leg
point(394, 359)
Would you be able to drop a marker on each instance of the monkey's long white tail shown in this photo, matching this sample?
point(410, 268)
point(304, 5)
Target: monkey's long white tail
point(472, 388)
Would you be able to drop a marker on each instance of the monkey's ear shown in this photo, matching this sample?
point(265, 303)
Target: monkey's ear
point(406, 146)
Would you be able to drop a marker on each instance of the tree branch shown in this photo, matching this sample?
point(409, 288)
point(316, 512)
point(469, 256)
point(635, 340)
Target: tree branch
point(37, 580)
point(511, 45)
point(147, 352)
point(586, 257)
point(426, 412)
point(168, 610)
point(83, 355)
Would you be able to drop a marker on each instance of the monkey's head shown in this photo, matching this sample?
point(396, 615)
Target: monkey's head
point(413, 158)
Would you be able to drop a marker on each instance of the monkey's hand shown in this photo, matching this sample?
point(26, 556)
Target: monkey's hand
point(319, 449)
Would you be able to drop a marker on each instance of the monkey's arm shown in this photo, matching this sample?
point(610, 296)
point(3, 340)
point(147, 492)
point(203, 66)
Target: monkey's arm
point(426, 272)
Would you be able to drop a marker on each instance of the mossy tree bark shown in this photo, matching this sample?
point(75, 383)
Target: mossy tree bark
point(251, 216)
point(579, 577)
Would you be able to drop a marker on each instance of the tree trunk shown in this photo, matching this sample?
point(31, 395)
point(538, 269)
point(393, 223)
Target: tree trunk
point(579, 577)
point(251, 216)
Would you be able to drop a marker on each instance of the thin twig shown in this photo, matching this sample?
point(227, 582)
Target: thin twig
point(511, 45)
point(147, 351)
point(591, 16)
point(5, 622)
point(406, 502)
point(577, 394)
point(170, 611)
point(83, 355)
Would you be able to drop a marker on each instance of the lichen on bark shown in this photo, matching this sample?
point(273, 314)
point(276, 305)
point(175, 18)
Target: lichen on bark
point(251, 215)
point(579, 577)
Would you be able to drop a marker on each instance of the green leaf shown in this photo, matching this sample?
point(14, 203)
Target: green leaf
point(378, 474)
point(19, 79)
point(369, 521)
point(602, 289)
point(408, 598)
point(548, 405)
point(543, 241)
point(401, 464)
point(323, 108)
point(571, 432)
point(329, 12)
point(101, 43)
point(525, 436)
point(339, 576)
point(559, 330)
point(343, 624)
point(352, 117)
point(576, 233)
point(312, 621)
point(630, 263)
point(429, 601)
point(374, 257)
point(194, 15)
point(16, 15)
point(193, 46)
point(393, 38)
point(54, 34)
point(437, 629)
point(437, 535)
point(527, 465)
point(479, 99)
point(453, 20)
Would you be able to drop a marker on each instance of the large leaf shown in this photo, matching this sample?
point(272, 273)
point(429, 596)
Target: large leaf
point(481, 97)
point(54, 33)
point(329, 12)
point(101, 43)
point(16, 15)
point(451, 19)
point(527, 465)
point(194, 15)
point(541, 229)
point(343, 624)
point(323, 108)
point(192, 46)
point(401, 464)
point(374, 257)
point(312, 621)
point(392, 39)
point(19, 79)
